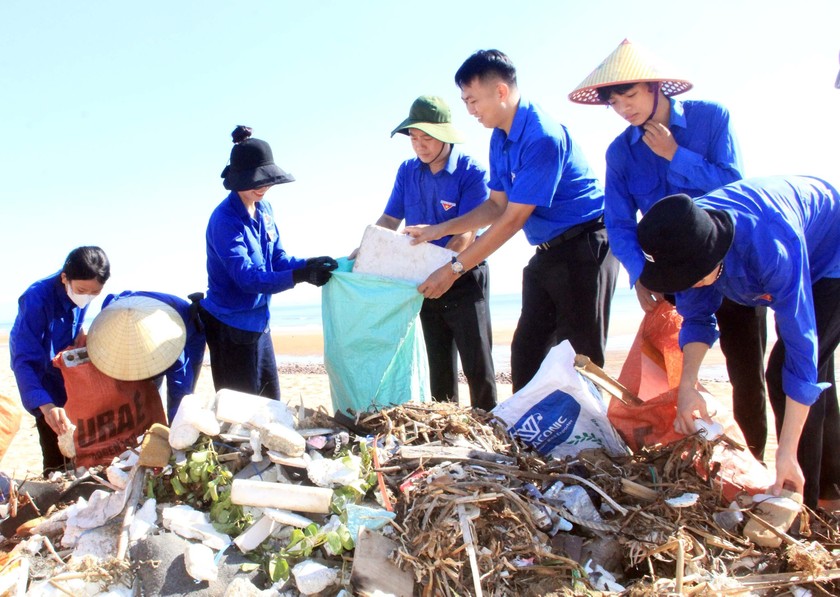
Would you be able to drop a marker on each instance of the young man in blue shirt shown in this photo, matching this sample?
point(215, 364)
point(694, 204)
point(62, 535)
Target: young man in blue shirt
point(541, 183)
point(440, 184)
point(770, 242)
point(142, 335)
point(675, 147)
point(49, 320)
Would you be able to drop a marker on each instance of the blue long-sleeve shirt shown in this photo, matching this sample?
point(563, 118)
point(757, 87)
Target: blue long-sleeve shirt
point(707, 157)
point(420, 197)
point(786, 239)
point(539, 164)
point(246, 264)
point(47, 323)
point(181, 375)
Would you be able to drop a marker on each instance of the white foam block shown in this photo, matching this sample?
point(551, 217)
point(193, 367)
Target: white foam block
point(390, 254)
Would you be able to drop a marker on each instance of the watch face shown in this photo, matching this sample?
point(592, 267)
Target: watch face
point(457, 267)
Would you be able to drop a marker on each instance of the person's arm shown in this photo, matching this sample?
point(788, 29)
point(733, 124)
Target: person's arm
point(247, 269)
point(483, 215)
point(690, 403)
point(620, 210)
point(511, 221)
point(788, 472)
point(29, 357)
point(722, 162)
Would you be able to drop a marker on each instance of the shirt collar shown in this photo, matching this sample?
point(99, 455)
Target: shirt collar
point(676, 117)
point(239, 207)
point(517, 127)
point(452, 160)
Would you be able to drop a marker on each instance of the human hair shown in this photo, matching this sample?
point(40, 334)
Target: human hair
point(485, 65)
point(87, 263)
point(605, 93)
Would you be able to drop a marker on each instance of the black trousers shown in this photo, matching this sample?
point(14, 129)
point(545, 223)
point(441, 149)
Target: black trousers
point(459, 323)
point(566, 295)
point(818, 446)
point(743, 341)
point(241, 360)
point(53, 459)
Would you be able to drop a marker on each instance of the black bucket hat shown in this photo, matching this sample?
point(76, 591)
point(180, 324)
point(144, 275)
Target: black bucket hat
point(251, 164)
point(682, 243)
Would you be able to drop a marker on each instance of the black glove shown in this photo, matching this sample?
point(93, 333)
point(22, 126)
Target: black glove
point(316, 271)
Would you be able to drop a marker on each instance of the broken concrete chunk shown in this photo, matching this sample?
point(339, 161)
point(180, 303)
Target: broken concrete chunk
point(280, 438)
point(155, 450)
point(281, 495)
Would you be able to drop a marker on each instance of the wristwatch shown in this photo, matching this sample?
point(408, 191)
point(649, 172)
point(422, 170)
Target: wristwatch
point(457, 266)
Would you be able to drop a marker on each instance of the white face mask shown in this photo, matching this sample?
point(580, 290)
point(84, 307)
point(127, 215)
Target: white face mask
point(80, 300)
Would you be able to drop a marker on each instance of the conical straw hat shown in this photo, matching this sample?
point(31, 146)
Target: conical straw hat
point(136, 337)
point(629, 63)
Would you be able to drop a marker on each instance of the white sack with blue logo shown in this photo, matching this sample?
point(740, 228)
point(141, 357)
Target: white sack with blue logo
point(560, 412)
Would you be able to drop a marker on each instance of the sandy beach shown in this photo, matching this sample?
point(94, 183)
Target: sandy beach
point(306, 383)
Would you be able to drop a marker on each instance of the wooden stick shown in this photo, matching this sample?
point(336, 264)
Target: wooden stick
point(468, 541)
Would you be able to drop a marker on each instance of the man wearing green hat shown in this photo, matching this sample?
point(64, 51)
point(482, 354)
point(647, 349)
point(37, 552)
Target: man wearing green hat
point(675, 147)
point(440, 184)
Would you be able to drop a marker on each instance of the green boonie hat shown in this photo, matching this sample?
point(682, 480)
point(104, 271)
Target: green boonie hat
point(431, 115)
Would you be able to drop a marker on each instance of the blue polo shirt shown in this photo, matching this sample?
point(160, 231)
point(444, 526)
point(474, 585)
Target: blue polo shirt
point(786, 238)
point(47, 323)
point(183, 373)
point(246, 264)
point(539, 164)
point(707, 158)
point(420, 197)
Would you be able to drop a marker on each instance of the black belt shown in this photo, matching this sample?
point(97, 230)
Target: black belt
point(590, 226)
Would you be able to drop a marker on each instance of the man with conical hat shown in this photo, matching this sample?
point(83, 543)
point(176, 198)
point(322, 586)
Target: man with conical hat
point(440, 184)
point(145, 335)
point(671, 147)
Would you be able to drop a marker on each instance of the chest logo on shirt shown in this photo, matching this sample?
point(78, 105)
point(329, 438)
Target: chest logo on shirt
point(270, 230)
point(446, 205)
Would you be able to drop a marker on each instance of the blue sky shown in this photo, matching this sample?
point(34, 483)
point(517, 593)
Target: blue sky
point(117, 115)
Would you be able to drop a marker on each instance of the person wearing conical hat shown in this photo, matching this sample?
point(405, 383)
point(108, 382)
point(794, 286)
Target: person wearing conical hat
point(145, 335)
point(762, 241)
point(440, 184)
point(541, 183)
point(49, 320)
point(670, 147)
point(246, 265)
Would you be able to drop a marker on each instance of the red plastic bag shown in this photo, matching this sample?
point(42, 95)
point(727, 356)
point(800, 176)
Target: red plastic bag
point(10, 414)
point(109, 414)
point(652, 371)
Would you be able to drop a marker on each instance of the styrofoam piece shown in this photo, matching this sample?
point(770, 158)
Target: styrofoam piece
point(254, 535)
point(685, 500)
point(390, 254)
point(144, 521)
point(332, 473)
point(200, 564)
point(257, 411)
point(66, 445)
point(192, 524)
point(256, 446)
point(709, 431)
point(312, 577)
point(312, 432)
point(296, 498)
point(192, 419)
point(117, 476)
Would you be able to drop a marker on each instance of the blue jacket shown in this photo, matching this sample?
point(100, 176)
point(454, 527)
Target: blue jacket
point(786, 239)
point(707, 158)
point(246, 264)
point(47, 323)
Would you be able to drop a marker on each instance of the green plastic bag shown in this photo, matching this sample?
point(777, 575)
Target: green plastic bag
point(374, 351)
